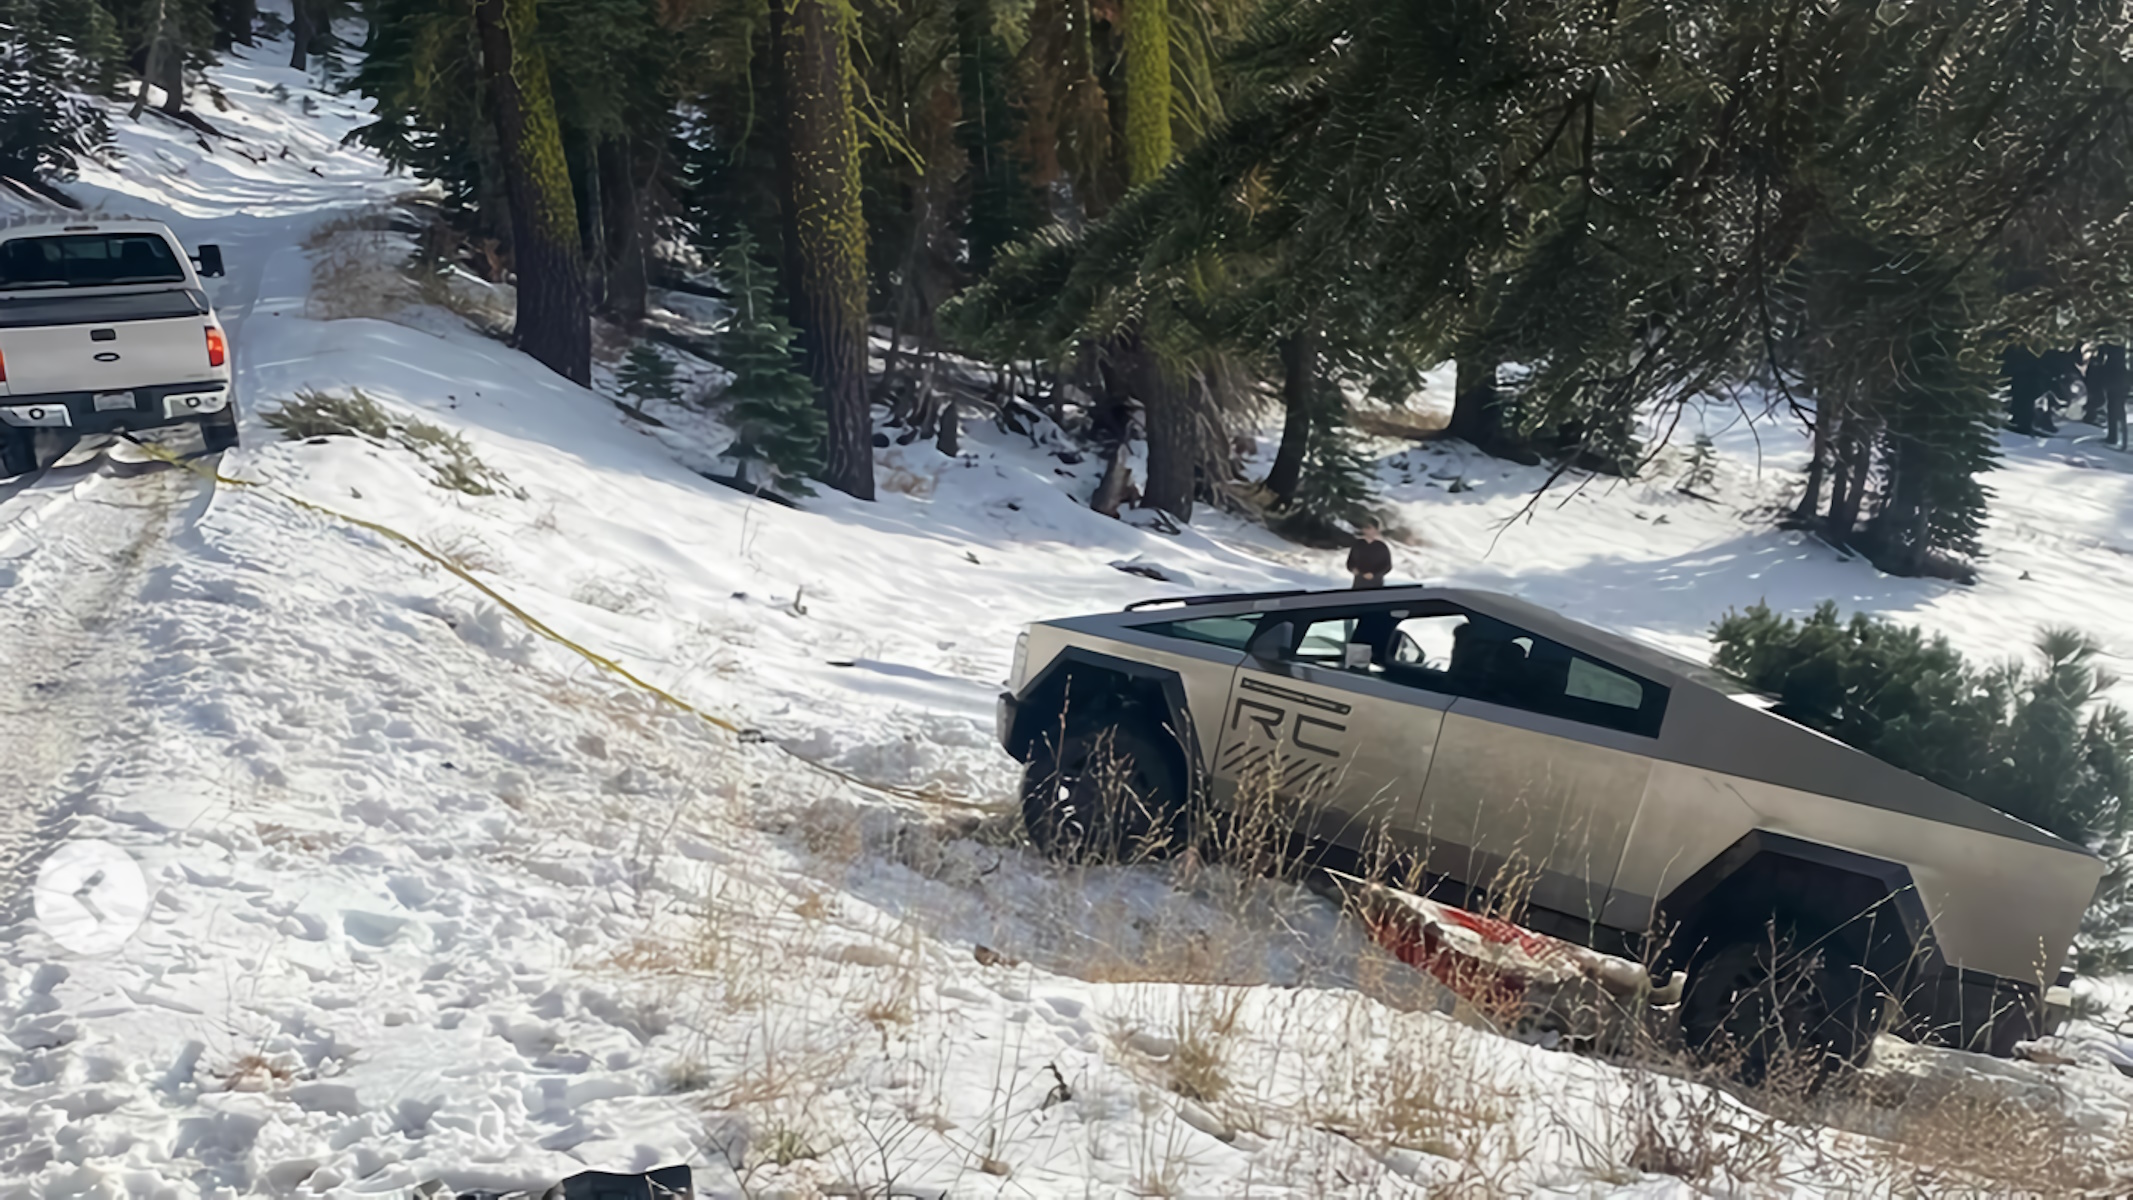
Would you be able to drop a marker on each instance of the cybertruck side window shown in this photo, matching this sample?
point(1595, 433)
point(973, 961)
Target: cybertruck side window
point(1230, 633)
point(1505, 665)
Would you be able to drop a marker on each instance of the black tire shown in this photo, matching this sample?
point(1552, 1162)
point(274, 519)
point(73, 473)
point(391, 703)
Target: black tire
point(219, 432)
point(18, 452)
point(1779, 999)
point(1109, 791)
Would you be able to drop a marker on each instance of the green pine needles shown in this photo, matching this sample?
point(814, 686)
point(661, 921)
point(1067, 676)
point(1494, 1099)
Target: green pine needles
point(778, 424)
point(1337, 488)
point(647, 375)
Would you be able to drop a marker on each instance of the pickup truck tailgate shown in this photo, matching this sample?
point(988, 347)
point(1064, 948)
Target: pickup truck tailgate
point(105, 357)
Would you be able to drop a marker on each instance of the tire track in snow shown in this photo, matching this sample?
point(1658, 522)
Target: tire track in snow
point(65, 654)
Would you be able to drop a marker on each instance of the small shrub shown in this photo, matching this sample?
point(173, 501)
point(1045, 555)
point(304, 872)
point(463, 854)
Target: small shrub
point(648, 375)
point(452, 461)
point(315, 414)
point(1703, 465)
point(1336, 490)
point(779, 427)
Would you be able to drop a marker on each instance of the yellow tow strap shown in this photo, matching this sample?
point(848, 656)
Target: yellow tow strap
point(537, 625)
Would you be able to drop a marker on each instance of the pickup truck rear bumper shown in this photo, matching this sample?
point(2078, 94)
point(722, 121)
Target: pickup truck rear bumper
point(117, 411)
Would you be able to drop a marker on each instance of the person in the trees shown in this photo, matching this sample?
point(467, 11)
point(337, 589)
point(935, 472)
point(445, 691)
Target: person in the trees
point(1370, 560)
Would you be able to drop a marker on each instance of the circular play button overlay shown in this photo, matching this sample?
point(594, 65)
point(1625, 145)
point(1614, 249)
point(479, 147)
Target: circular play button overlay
point(90, 897)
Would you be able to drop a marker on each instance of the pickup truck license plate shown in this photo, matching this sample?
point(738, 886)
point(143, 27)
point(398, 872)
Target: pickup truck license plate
point(108, 401)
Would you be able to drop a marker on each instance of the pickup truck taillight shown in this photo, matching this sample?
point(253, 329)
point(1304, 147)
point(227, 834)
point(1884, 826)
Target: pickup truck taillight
point(218, 350)
point(3, 368)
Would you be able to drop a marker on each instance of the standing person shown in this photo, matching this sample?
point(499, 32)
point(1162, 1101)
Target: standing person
point(1370, 559)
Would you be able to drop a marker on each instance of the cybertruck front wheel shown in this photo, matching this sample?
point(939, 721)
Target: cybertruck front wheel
point(1105, 791)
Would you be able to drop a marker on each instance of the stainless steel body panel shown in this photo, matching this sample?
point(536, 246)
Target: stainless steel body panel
point(1535, 805)
point(1613, 820)
point(1352, 750)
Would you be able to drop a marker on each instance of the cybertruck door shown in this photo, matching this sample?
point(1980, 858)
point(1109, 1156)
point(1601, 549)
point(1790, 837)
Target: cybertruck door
point(1341, 751)
point(1541, 768)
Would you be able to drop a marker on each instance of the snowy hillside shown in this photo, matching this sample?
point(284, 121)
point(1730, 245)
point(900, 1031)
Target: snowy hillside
point(436, 896)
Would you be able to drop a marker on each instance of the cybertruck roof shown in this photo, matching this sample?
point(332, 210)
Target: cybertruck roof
point(1705, 726)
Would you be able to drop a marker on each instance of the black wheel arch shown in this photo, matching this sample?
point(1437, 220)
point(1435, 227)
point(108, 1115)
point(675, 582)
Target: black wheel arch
point(1079, 681)
point(1874, 905)
point(1870, 904)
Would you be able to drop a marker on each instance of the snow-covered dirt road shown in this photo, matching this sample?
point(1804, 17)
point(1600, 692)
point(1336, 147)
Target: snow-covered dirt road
point(77, 548)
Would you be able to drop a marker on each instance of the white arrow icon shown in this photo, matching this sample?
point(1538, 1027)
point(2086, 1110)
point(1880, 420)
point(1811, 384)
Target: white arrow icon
point(90, 897)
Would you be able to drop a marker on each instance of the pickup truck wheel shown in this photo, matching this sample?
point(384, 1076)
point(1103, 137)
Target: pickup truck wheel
point(219, 432)
point(1765, 1005)
point(1109, 792)
point(18, 452)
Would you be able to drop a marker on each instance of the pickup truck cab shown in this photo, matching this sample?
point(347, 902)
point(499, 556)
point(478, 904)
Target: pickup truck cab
point(105, 328)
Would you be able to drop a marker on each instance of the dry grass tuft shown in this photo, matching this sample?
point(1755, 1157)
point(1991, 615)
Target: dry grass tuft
point(467, 552)
point(257, 1073)
point(909, 483)
point(1201, 1043)
point(315, 414)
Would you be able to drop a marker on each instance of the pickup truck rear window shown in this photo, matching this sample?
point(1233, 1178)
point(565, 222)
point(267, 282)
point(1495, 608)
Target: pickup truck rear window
point(88, 260)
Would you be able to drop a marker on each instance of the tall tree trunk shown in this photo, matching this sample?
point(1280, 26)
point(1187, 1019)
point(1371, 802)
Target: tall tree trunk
point(303, 28)
point(595, 227)
point(1477, 405)
point(235, 21)
point(554, 324)
point(1848, 491)
point(158, 49)
point(173, 80)
point(1172, 444)
point(1166, 401)
point(2025, 386)
point(1899, 534)
point(1299, 388)
point(1148, 86)
point(1810, 506)
point(825, 229)
point(629, 270)
point(2111, 375)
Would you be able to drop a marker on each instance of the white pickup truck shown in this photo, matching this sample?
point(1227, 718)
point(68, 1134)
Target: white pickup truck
point(105, 328)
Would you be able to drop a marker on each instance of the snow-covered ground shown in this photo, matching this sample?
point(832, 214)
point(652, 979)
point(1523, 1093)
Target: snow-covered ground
point(437, 897)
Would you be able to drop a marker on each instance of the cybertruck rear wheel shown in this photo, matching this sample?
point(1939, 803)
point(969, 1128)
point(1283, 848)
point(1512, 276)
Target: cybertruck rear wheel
point(1779, 1002)
point(1107, 791)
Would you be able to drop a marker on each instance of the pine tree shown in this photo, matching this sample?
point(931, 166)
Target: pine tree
point(1004, 207)
point(647, 375)
point(44, 132)
point(1702, 470)
point(66, 41)
point(776, 420)
point(1336, 488)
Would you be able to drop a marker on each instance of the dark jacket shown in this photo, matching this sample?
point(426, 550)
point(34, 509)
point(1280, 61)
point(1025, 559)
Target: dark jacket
point(1370, 562)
